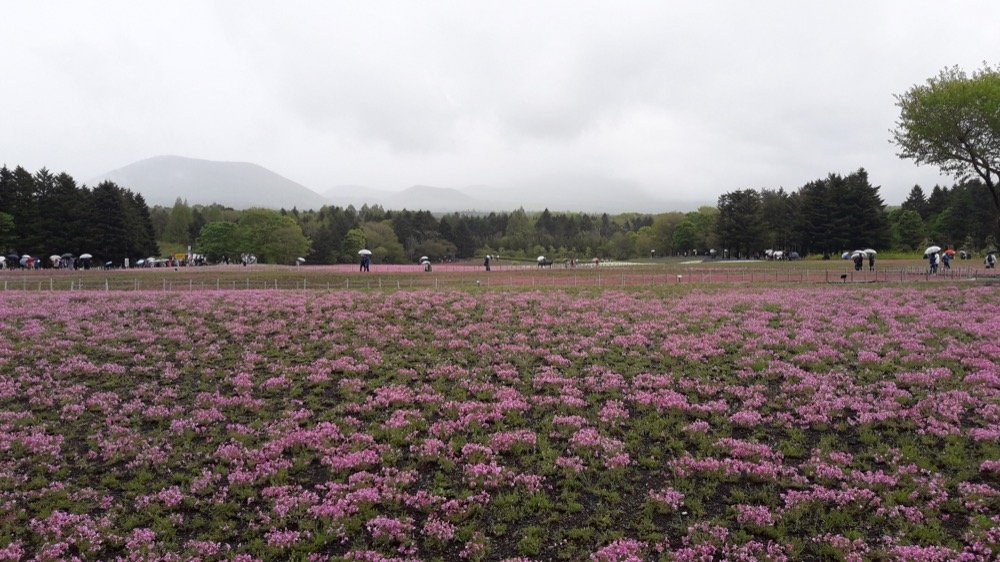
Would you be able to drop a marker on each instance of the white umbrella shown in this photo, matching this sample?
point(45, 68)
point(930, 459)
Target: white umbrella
point(300, 260)
point(85, 256)
point(364, 252)
point(2, 259)
point(845, 255)
point(541, 258)
point(932, 250)
point(140, 262)
point(425, 262)
point(870, 252)
point(55, 257)
point(424, 258)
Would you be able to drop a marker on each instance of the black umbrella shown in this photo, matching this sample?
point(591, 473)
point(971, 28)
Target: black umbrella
point(13, 258)
point(68, 256)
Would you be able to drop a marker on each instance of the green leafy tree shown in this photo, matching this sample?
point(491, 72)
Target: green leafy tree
point(272, 237)
point(953, 122)
point(908, 230)
point(383, 243)
point(354, 241)
point(220, 240)
point(178, 227)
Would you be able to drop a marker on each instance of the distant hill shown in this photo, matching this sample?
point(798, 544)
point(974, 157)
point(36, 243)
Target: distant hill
point(162, 179)
point(588, 196)
point(357, 195)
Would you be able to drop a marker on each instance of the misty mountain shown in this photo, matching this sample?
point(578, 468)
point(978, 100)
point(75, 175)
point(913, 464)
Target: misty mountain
point(578, 195)
point(575, 194)
point(162, 179)
point(438, 199)
point(357, 195)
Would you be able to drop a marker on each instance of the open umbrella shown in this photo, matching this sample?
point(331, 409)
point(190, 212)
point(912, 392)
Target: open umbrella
point(140, 262)
point(991, 251)
point(55, 258)
point(2, 259)
point(870, 252)
point(423, 259)
point(425, 262)
point(541, 258)
point(85, 256)
point(950, 252)
point(364, 252)
point(932, 250)
point(300, 260)
point(67, 255)
point(845, 256)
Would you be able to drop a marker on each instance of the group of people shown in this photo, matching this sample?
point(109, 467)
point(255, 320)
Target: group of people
point(943, 260)
point(859, 261)
point(937, 261)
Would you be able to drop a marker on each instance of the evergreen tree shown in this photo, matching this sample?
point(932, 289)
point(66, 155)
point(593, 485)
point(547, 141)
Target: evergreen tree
point(107, 229)
point(916, 201)
point(179, 222)
point(740, 225)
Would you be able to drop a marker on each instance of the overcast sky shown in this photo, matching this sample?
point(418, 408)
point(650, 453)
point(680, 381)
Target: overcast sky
point(687, 100)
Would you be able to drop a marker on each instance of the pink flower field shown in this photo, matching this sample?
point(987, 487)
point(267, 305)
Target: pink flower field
point(831, 423)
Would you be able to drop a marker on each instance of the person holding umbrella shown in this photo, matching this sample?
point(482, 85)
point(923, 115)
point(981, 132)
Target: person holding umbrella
point(931, 253)
point(858, 259)
point(991, 260)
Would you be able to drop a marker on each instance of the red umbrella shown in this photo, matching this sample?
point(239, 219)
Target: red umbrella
point(950, 252)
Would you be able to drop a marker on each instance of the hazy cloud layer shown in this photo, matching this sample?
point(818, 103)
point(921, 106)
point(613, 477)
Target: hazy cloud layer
point(685, 99)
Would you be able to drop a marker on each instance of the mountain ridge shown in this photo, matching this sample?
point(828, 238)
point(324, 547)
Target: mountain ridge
point(163, 179)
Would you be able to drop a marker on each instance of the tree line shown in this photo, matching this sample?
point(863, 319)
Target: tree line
point(334, 234)
point(45, 214)
point(843, 213)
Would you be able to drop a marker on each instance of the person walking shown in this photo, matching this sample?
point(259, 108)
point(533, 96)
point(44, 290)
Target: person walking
point(486, 262)
point(871, 261)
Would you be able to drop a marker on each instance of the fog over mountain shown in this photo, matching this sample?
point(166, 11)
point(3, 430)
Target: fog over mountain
point(162, 179)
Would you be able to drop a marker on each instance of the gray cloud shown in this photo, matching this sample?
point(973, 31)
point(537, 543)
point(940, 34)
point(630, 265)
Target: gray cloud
point(684, 100)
